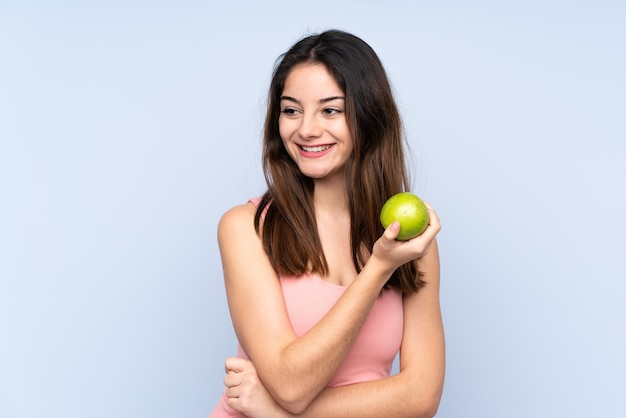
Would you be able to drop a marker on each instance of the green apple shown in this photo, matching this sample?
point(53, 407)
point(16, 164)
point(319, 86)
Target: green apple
point(407, 209)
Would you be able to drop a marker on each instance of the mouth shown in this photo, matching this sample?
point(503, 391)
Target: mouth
point(316, 148)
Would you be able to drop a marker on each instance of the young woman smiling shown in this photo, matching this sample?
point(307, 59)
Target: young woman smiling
point(321, 297)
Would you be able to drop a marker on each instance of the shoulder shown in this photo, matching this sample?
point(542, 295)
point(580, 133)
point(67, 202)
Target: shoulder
point(237, 221)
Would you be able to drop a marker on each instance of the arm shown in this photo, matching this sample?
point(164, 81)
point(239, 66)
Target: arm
point(414, 392)
point(295, 370)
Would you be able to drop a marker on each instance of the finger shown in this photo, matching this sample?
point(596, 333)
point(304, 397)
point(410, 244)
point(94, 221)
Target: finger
point(232, 379)
point(433, 228)
point(232, 392)
point(433, 218)
point(234, 403)
point(227, 363)
point(424, 242)
point(234, 364)
point(392, 231)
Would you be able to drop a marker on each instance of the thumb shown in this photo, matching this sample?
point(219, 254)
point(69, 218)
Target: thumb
point(392, 231)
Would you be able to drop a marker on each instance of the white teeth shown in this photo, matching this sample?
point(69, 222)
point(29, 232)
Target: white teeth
point(315, 149)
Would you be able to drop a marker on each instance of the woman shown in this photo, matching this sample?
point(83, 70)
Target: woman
point(321, 296)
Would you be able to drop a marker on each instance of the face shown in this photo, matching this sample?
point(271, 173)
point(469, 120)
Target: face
point(313, 124)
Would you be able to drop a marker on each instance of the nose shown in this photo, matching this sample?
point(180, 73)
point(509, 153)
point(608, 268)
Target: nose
point(310, 127)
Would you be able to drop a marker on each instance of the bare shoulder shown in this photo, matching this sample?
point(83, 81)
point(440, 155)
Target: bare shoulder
point(236, 222)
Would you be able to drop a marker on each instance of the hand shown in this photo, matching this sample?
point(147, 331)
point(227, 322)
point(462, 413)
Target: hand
point(246, 392)
point(393, 253)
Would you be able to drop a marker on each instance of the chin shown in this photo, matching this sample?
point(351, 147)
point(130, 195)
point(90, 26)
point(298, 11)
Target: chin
point(314, 176)
point(318, 173)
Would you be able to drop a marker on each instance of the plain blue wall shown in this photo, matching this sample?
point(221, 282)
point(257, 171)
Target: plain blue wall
point(128, 128)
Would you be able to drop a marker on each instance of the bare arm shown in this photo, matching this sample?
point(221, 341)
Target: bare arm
point(414, 392)
point(295, 370)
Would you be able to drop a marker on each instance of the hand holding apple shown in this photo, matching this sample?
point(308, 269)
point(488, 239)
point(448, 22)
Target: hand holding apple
point(410, 211)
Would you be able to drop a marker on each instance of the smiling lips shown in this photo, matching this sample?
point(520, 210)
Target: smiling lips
point(315, 149)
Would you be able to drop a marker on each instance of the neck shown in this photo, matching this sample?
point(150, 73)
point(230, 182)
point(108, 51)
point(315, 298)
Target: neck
point(330, 195)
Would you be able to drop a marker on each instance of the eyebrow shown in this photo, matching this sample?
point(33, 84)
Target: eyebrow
point(325, 100)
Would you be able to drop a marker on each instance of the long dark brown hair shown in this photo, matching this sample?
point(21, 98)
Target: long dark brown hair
point(376, 170)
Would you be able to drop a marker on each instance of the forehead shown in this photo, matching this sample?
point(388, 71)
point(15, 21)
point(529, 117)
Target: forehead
point(310, 79)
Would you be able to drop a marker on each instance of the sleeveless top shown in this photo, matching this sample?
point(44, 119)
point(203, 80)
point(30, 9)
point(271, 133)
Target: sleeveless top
point(308, 298)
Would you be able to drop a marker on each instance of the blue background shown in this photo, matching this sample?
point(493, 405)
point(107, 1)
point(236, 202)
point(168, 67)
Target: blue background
point(128, 127)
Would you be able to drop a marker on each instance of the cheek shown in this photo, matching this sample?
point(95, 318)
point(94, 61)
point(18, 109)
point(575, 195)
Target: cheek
point(284, 129)
point(348, 138)
point(282, 133)
point(284, 137)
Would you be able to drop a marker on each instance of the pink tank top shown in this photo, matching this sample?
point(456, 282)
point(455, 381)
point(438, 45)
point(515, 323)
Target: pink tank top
point(308, 298)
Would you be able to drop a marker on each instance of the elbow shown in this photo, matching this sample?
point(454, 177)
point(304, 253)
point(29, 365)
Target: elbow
point(292, 389)
point(424, 410)
point(430, 410)
point(293, 400)
point(295, 408)
point(428, 406)
point(422, 401)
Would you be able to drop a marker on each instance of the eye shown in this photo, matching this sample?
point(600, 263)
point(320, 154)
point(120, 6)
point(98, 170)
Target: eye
point(289, 111)
point(330, 111)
